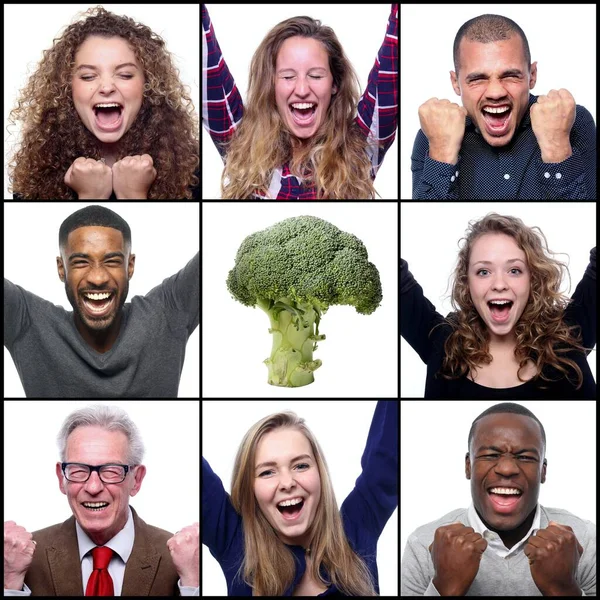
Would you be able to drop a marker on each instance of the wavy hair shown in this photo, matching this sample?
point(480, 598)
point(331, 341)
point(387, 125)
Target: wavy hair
point(53, 135)
point(111, 418)
point(541, 333)
point(334, 161)
point(268, 565)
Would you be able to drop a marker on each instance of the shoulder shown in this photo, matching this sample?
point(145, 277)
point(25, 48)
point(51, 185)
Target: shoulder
point(583, 529)
point(423, 535)
point(155, 535)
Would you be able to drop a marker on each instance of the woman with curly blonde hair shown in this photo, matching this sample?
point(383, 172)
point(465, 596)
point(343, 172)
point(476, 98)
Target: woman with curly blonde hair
point(281, 532)
point(105, 116)
point(513, 334)
point(305, 132)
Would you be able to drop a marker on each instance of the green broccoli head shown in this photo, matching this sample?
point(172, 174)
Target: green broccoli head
point(308, 261)
point(294, 271)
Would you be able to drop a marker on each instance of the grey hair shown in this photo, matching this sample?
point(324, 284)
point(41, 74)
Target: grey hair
point(111, 418)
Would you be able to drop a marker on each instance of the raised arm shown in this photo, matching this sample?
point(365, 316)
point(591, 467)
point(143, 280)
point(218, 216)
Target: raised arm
point(222, 106)
point(582, 310)
point(378, 108)
point(417, 315)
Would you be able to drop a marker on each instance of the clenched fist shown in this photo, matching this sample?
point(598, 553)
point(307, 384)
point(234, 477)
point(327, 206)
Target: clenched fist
point(184, 547)
point(133, 176)
point(18, 554)
point(554, 555)
point(443, 122)
point(456, 552)
point(90, 178)
point(552, 119)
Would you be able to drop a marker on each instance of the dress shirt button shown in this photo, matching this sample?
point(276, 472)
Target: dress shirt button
point(456, 173)
point(452, 178)
point(506, 176)
point(558, 175)
point(546, 174)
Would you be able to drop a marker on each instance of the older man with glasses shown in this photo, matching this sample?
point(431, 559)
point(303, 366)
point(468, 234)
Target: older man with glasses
point(104, 549)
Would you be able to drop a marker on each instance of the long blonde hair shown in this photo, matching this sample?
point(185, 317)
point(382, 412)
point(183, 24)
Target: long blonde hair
point(268, 565)
point(334, 161)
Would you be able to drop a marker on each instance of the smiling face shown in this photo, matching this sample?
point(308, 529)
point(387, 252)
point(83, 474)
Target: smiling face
point(96, 262)
point(303, 76)
point(106, 80)
point(494, 75)
point(287, 479)
point(96, 446)
point(506, 451)
point(498, 271)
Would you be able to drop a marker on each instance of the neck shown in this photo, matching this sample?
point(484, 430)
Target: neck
point(101, 341)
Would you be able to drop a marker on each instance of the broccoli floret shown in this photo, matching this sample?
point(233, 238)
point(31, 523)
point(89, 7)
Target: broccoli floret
point(294, 271)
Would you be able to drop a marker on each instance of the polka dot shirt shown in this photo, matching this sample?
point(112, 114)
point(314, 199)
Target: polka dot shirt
point(512, 172)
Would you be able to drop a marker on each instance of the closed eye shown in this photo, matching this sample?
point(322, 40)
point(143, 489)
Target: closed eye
point(526, 458)
point(312, 76)
point(90, 77)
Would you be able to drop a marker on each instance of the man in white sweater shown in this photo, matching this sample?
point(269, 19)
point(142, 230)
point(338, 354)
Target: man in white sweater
point(505, 543)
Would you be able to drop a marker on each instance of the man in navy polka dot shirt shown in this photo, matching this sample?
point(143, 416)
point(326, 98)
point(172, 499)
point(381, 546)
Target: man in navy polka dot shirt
point(504, 143)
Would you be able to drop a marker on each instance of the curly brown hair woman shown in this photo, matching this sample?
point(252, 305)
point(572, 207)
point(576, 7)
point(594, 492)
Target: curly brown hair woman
point(105, 116)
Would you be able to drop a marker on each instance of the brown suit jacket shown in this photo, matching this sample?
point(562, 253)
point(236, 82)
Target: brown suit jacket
point(56, 568)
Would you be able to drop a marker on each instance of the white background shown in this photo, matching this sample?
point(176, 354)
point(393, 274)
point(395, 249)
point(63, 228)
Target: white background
point(169, 496)
point(359, 354)
point(432, 452)
point(164, 238)
point(562, 39)
point(341, 430)
point(240, 28)
point(29, 29)
point(429, 244)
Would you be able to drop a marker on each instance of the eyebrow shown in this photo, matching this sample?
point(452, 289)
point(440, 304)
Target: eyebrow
point(106, 256)
point(97, 69)
point(311, 69)
point(274, 464)
point(487, 262)
point(532, 450)
point(507, 73)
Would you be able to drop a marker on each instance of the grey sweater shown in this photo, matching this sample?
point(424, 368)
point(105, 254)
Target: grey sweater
point(145, 361)
point(496, 576)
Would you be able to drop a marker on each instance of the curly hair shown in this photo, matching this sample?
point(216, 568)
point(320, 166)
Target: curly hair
point(53, 135)
point(541, 333)
point(334, 161)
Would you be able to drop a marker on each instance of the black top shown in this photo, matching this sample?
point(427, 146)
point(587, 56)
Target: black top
point(195, 190)
point(512, 172)
point(418, 317)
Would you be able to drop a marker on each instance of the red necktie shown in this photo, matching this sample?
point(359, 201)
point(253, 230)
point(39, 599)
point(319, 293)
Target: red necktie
point(100, 582)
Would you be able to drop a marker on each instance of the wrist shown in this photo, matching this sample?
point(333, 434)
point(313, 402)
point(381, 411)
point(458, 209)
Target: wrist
point(555, 153)
point(190, 581)
point(447, 588)
point(444, 155)
point(570, 590)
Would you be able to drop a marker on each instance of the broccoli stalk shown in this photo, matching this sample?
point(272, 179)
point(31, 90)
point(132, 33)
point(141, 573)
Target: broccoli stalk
point(294, 271)
point(295, 329)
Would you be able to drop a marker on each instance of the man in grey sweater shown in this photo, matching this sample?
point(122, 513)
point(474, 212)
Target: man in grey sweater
point(505, 543)
point(105, 348)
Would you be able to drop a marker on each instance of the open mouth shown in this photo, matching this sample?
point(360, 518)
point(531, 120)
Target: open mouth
point(98, 304)
point(504, 500)
point(96, 507)
point(109, 115)
point(292, 512)
point(303, 113)
point(497, 119)
point(500, 310)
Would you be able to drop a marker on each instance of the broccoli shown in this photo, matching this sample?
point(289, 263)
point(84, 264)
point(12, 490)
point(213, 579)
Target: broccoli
point(294, 270)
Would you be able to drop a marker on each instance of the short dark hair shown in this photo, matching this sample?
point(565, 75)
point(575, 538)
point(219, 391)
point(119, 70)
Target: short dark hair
point(503, 408)
point(93, 216)
point(486, 29)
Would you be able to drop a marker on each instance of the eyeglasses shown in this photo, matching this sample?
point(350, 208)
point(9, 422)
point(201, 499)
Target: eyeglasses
point(80, 473)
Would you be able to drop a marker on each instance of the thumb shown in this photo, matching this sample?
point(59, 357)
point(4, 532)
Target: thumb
point(68, 176)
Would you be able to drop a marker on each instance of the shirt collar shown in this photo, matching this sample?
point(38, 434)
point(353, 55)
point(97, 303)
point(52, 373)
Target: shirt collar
point(478, 525)
point(121, 544)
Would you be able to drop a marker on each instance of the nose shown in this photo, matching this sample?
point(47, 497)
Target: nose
point(506, 466)
point(498, 282)
point(302, 88)
point(98, 276)
point(94, 484)
point(107, 84)
point(286, 481)
point(495, 90)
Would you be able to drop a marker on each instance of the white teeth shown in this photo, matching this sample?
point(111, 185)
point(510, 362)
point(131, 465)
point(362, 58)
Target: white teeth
point(303, 105)
point(506, 491)
point(500, 302)
point(95, 504)
point(109, 105)
point(290, 502)
point(501, 109)
point(102, 296)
